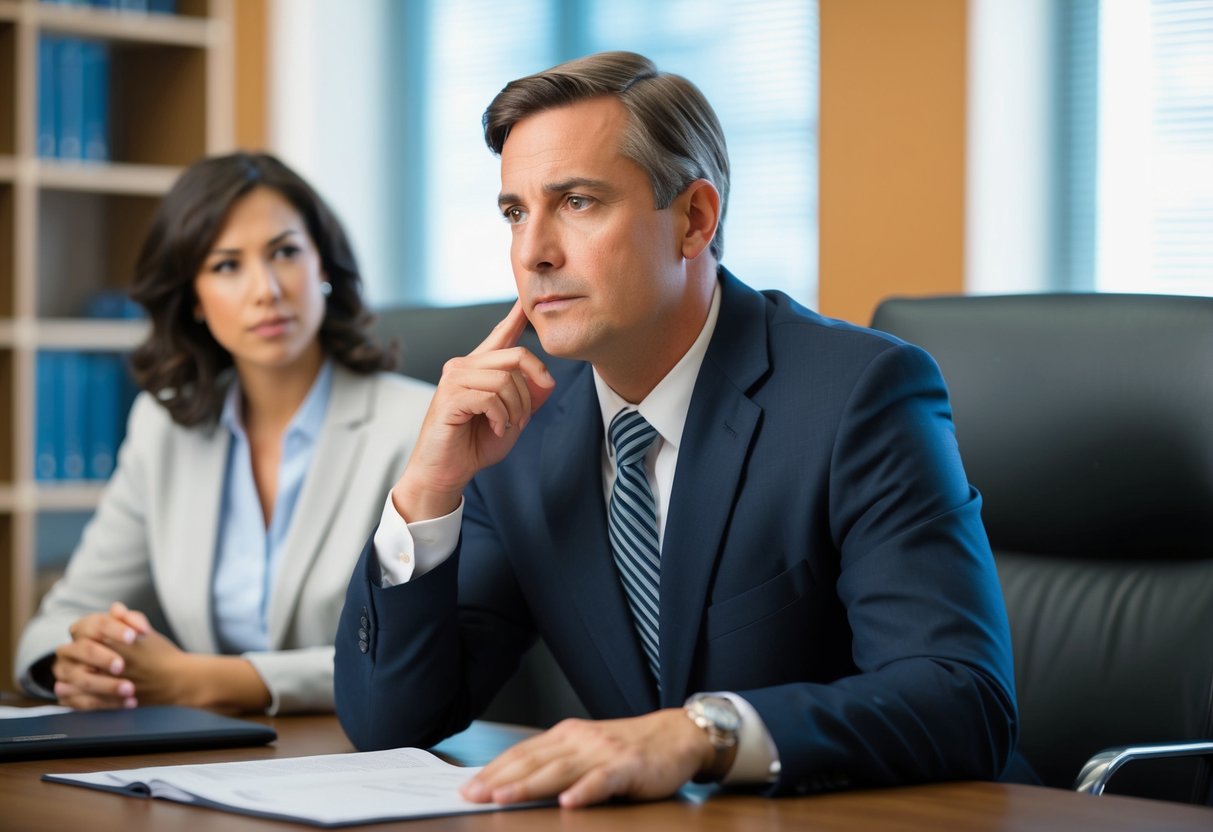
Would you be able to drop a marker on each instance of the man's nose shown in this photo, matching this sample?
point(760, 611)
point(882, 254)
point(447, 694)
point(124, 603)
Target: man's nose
point(539, 244)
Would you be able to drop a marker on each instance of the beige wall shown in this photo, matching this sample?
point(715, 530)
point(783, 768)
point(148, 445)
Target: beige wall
point(892, 151)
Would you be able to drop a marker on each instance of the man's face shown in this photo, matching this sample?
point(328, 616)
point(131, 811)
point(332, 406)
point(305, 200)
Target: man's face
point(599, 269)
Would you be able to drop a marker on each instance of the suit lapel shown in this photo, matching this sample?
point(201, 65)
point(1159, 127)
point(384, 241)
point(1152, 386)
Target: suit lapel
point(720, 425)
point(575, 510)
point(328, 478)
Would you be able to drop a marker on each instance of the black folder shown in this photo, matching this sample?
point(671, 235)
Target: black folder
point(137, 730)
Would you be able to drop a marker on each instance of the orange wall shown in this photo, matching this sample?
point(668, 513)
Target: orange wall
point(892, 151)
point(250, 37)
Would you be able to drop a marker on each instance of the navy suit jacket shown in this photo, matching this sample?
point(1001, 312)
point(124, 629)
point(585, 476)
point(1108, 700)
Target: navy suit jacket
point(823, 556)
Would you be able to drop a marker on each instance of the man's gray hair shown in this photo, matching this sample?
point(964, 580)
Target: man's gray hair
point(672, 132)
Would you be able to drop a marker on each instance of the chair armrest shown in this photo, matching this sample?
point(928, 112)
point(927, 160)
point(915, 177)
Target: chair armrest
point(1094, 777)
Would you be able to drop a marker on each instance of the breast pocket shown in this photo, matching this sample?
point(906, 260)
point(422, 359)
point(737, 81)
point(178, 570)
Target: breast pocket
point(763, 601)
point(761, 637)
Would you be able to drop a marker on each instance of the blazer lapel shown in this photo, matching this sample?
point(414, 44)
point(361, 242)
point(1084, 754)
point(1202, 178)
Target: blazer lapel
point(327, 480)
point(719, 428)
point(575, 510)
point(185, 573)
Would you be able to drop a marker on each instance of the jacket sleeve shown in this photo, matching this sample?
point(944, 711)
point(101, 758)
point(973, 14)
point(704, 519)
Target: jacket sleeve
point(417, 662)
point(934, 696)
point(111, 562)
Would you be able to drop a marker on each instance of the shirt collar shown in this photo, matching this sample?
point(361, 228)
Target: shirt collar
point(667, 404)
point(308, 419)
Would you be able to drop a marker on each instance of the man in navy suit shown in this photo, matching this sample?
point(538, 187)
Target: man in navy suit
point(790, 588)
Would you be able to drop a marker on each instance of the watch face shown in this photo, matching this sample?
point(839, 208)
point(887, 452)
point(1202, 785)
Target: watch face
point(723, 713)
point(719, 711)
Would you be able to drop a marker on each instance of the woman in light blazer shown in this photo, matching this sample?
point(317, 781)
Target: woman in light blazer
point(214, 569)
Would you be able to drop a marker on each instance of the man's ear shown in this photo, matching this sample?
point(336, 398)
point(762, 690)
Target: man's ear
point(700, 204)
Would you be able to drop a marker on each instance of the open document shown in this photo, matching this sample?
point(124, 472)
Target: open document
point(324, 790)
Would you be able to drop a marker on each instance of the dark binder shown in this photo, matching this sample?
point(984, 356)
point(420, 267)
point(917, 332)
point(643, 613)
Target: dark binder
point(138, 730)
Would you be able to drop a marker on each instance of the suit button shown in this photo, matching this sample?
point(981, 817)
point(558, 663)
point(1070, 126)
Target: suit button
point(362, 636)
point(363, 621)
point(362, 646)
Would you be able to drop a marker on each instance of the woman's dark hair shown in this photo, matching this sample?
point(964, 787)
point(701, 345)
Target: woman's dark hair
point(180, 362)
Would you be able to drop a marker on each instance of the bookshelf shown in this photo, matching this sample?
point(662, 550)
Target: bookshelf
point(70, 229)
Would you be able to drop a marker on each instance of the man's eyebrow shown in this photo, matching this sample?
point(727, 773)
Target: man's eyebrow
point(576, 183)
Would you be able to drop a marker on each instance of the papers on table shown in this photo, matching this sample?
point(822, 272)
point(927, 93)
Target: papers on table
point(325, 790)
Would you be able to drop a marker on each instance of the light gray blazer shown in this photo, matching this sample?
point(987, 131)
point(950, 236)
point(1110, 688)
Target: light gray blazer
point(151, 543)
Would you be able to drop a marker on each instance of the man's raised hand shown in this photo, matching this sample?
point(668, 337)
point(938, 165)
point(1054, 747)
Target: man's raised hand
point(483, 401)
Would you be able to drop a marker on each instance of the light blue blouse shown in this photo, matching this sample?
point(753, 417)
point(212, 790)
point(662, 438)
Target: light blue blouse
point(247, 552)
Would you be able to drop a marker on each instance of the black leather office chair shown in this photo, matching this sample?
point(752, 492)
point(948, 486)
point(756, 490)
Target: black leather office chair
point(1087, 423)
point(538, 694)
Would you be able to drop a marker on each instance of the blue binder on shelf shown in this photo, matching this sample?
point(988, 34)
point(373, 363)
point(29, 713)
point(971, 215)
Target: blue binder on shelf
point(95, 71)
point(70, 98)
point(48, 413)
point(48, 129)
point(73, 379)
point(104, 382)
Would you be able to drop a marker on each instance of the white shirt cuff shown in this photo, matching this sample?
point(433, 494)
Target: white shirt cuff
point(409, 550)
point(757, 759)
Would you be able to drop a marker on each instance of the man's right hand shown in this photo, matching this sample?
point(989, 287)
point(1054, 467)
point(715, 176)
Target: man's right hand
point(482, 403)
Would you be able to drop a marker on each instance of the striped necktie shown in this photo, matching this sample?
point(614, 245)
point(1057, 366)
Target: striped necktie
point(632, 525)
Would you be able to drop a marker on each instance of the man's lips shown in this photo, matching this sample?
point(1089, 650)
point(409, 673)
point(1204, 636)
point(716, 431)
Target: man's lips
point(553, 303)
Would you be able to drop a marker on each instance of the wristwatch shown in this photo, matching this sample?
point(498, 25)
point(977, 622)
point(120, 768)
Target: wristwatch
point(720, 720)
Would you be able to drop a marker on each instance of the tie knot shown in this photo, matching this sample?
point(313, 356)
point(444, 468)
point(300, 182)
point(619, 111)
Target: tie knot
point(631, 437)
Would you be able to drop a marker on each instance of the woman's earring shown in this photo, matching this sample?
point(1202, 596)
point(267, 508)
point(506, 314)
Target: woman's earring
point(326, 288)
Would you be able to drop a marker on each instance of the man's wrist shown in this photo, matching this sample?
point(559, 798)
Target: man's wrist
point(720, 721)
point(416, 504)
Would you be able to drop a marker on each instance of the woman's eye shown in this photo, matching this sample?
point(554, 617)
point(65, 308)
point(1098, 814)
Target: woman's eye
point(288, 252)
point(225, 266)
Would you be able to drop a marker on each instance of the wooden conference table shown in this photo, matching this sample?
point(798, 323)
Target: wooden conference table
point(26, 803)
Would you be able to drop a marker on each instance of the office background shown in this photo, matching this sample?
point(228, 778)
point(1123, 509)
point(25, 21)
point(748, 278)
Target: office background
point(981, 146)
point(880, 147)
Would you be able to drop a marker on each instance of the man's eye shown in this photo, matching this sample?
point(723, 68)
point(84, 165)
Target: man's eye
point(514, 215)
point(578, 203)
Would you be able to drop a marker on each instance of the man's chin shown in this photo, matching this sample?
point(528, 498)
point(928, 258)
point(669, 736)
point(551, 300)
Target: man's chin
point(562, 344)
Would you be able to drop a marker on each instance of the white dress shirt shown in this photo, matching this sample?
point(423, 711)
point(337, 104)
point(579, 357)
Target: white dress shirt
point(407, 550)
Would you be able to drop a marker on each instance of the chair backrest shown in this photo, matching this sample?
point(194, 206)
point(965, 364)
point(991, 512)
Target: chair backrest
point(538, 694)
point(428, 336)
point(1086, 421)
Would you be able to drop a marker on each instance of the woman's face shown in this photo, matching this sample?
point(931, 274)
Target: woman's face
point(259, 287)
